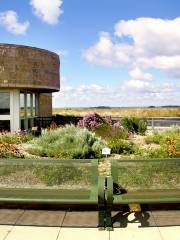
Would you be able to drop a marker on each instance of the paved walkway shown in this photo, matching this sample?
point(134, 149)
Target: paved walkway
point(58, 225)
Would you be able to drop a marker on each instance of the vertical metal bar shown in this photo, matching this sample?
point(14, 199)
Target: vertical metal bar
point(25, 111)
point(109, 203)
point(94, 171)
point(101, 202)
point(114, 170)
point(152, 124)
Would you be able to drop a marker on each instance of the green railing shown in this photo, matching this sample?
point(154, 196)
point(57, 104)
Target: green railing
point(142, 182)
point(65, 183)
point(72, 183)
point(178, 149)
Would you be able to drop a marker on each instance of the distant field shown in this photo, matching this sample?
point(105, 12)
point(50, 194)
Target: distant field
point(121, 112)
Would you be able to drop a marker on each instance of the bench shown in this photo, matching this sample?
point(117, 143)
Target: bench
point(142, 182)
point(66, 183)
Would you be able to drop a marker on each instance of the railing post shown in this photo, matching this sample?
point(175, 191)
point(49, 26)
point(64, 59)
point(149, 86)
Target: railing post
point(152, 124)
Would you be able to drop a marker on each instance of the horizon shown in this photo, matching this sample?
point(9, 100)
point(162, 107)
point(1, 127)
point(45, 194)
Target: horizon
point(106, 107)
point(112, 53)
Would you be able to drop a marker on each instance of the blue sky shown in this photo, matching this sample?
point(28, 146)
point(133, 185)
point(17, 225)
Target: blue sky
point(113, 52)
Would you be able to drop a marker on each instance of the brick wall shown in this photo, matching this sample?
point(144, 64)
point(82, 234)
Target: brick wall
point(29, 68)
point(45, 105)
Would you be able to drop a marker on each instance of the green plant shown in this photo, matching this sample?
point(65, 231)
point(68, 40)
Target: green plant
point(135, 125)
point(8, 150)
point(170, 147)
point(120, 146)
point(108, 131)
point(162, 137)
point(68, 142)
point(15, 138)
point(154, 138)
point(155, 153)
point(92, 121)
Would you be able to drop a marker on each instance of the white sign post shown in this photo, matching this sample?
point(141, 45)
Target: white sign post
point(106, 151)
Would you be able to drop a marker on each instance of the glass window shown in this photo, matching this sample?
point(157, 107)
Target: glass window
point(4, 125)
point(22, 105)
point(28, 105)
point(4, 103)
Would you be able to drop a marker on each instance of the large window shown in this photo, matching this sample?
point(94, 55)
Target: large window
point(28, 109)
point(4, 103)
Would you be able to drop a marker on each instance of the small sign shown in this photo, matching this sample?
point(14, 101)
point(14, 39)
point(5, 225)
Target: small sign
point(106, 151)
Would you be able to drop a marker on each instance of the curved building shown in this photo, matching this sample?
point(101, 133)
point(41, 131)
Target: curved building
point(28, 76)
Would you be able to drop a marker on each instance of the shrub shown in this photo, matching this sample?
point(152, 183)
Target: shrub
point(155, 138)
point(115, 132)
point(15, 138)
point(66, 119)
point(135, 125)
point(120, 146)
point(154, 153)
point(8, 150)
point(104, 127)
point(170, 146)
point(92, 121)
point(68, 142)
point(162, 137)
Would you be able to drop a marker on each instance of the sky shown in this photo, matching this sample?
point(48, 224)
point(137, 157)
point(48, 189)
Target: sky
point(117, 53)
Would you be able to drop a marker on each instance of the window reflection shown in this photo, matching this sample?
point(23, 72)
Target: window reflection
point(29, 105)
point(28, 109)
point(22, 106)
point(4, 103)
point(4, 125)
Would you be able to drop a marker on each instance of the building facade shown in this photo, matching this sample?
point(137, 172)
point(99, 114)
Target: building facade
point(28, 76)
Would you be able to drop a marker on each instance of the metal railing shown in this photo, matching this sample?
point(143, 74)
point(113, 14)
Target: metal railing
point(67, 183)
point(153, 122)
point(138, 182)
point(77, 183)
point(158, 122)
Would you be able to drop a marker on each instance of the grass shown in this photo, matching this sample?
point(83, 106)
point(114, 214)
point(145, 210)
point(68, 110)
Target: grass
point(121, 112)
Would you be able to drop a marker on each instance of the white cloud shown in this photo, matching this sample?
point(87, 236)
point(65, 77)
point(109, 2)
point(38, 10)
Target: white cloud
point(106, 53)
point(48, 11)
point(9, 20)
point(137, 73)
point(152, 36)
point(130, 93)
point(83, 95)
point(152, 43)
point(168, 64)
point(137, 84)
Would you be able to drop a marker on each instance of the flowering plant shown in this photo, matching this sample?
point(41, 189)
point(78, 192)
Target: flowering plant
point(92, 121)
